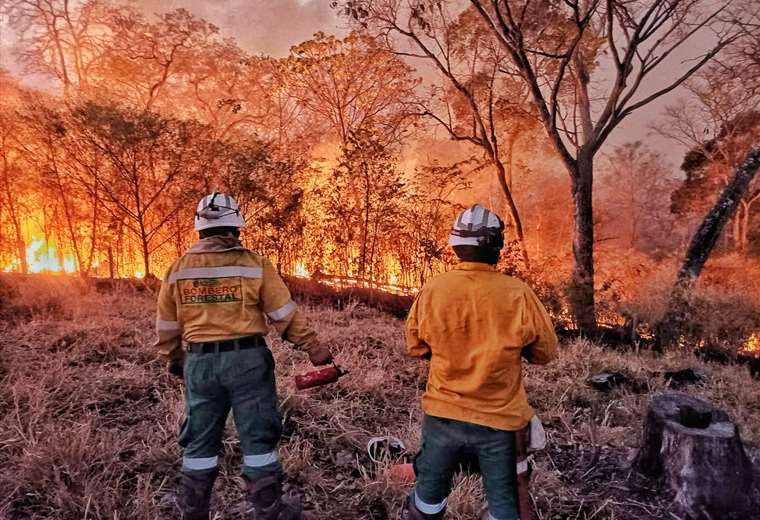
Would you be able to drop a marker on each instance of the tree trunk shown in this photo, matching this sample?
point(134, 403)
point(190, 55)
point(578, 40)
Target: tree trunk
point(582, 281)
point(502, 176)
point(702, 243)
point(14, 217)
point(21, 248)
point(365, 232)
point(737, 230)
point(93, 235)
point(745, 226)
point(146, 256)
point(697, 452)
point(70, 225)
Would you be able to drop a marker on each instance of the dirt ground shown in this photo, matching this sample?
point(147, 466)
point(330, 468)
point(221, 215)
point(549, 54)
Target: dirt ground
point(89, 419)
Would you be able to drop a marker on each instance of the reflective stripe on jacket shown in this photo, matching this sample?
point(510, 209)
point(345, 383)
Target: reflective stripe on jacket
point(477, 322)
point(216, 293)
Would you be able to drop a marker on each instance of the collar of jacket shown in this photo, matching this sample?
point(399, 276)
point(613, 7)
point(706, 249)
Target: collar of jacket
point(474, 266)
point(216, 244)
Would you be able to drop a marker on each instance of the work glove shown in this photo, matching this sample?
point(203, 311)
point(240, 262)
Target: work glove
point(175, 368)
point(320, 356)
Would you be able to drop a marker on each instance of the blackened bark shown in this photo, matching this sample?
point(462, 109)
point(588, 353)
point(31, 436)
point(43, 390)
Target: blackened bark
point(702, 243)
point(582, 282)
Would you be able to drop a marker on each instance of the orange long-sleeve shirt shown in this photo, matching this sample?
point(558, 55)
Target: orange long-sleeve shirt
point(477, 323)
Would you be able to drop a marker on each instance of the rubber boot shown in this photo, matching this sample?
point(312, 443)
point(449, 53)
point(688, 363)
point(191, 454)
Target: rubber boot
point(195, 493)
point(265, 494)
point(410, 511)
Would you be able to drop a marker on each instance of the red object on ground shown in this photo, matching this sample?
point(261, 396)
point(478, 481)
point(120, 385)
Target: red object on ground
point(402, 472)
point(323, 376)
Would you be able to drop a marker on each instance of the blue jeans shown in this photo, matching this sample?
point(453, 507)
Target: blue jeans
point(240, 380)
point(444, 444)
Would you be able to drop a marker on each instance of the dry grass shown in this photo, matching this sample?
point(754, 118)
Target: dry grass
point(88, 419)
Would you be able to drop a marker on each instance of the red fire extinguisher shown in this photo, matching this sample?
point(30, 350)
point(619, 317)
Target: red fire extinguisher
point(322, 376)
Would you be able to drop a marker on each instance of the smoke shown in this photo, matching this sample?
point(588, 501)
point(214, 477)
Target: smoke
point(260, 26)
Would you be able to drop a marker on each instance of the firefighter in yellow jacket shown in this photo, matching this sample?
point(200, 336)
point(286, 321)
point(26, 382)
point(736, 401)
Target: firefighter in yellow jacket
point(213, 312)
point(474, 324)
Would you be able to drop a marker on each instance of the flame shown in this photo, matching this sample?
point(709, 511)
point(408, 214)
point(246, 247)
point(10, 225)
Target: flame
point(751, 347)
point(44, 257)
point(301, 270)
point(49, 257)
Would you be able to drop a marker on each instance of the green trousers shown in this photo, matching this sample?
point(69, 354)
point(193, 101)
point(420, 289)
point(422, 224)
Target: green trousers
point(445, 442)
point(242, 381)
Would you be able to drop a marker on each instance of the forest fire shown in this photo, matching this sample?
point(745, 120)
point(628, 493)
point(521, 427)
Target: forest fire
point(346, 173)
point(433, 194)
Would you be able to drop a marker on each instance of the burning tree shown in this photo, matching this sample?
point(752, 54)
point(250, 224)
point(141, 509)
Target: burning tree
point(363, 202)
point(268, 184)
point(74, 193)
point(146, 167)
point(14, 186)
point(428, 215)
point(670, 327)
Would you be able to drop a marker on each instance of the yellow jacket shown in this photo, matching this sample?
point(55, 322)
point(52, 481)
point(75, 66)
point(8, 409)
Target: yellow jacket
point(218, 291)
point(476, 323)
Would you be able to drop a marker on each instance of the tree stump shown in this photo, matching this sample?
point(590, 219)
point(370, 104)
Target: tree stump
point(697, 451)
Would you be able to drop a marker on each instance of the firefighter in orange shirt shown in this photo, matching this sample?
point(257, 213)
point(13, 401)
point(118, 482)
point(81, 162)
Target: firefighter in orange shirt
point(213, 312)
point(474, 324)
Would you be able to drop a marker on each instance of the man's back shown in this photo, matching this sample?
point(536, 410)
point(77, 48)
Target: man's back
point(220, 291)
point(475, 322)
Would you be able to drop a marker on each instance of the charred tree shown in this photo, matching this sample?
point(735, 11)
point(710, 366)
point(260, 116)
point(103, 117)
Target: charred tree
point(702, 243)
point(697, 452)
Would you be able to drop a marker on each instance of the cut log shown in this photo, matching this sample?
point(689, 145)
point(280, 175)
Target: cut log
point(697, 452)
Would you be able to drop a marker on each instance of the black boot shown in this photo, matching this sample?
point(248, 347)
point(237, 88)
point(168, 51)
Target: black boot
point(265, 494)
point(410, 511)
point(195, 493)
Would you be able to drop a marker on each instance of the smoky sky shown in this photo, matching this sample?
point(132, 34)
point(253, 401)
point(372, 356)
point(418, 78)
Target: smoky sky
point(260, 26)
point(272, 27)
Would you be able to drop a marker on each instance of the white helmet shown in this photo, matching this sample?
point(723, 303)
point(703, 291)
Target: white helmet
point(218, 210)
point(477, 226)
